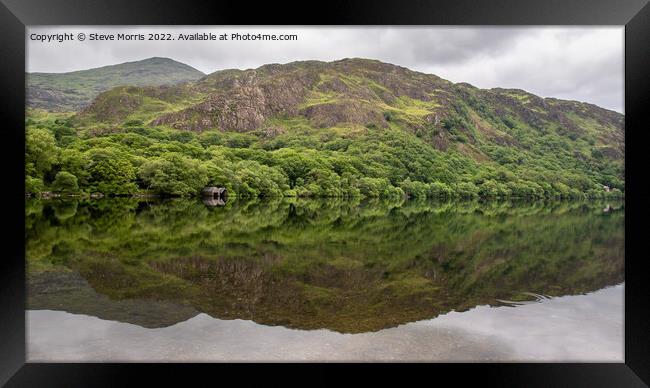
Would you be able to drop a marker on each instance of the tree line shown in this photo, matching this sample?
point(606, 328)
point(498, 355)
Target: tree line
point(330, 162)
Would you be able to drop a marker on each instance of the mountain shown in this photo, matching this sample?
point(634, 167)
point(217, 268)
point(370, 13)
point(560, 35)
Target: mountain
point(352, 91)
point(344, 128)
point(73, 91)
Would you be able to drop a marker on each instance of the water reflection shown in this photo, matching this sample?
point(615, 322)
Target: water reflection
point(345, 266)
point(569, 328)
point(211, 202)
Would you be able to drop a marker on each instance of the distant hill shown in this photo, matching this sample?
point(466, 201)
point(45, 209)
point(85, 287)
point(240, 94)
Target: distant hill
point(75, 90)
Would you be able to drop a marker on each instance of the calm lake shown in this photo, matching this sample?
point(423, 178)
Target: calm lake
point(128, 279)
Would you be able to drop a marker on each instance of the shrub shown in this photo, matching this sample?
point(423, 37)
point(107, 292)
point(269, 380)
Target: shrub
point(134, 123)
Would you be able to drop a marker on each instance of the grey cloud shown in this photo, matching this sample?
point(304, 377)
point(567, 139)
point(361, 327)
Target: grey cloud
point(461, 45)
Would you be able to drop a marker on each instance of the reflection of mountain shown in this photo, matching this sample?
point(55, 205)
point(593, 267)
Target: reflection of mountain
point(70, 292)
point(313, 264)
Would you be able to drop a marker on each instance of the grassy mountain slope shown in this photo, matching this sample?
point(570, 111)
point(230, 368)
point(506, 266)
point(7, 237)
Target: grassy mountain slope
point(345, 128)
point(73, 91)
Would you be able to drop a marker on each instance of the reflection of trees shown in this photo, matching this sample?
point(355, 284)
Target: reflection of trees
point(330, 263)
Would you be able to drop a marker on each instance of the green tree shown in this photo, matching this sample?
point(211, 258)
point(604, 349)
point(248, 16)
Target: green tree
point(260, 180)
point(33, 185)
point(174, 174)
point(294, 164)
point(41, 151)
point(111, 173)
point(77, 163)
point(439, 190)
point(466, 190)
point(414, 189)
point(65, 182)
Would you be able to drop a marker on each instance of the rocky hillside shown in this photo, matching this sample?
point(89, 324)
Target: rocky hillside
point(368, 93)
point(344, 128)
point(348, 91)
point(75, 90)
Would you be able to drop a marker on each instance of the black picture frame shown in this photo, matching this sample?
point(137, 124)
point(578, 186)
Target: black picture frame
point(634, 14)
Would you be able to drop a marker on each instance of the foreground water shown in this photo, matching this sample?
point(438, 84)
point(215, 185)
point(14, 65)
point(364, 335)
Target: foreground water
point(586, 328)
point(127, 279)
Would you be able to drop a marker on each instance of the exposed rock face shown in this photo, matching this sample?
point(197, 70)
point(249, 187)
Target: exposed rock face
point(247, 101)
point(243, 110)
point(45, 98)
point(242, 100)
point(272, 131)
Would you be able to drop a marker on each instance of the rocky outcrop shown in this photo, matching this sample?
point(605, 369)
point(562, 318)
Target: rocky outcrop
point(114, 105)
point(247, 101)
point(242, 100)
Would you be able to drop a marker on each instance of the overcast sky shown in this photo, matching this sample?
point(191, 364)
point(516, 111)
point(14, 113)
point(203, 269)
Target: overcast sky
point(584, 64)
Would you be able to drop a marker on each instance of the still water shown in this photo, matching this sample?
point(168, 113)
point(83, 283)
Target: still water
point(288, 279)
